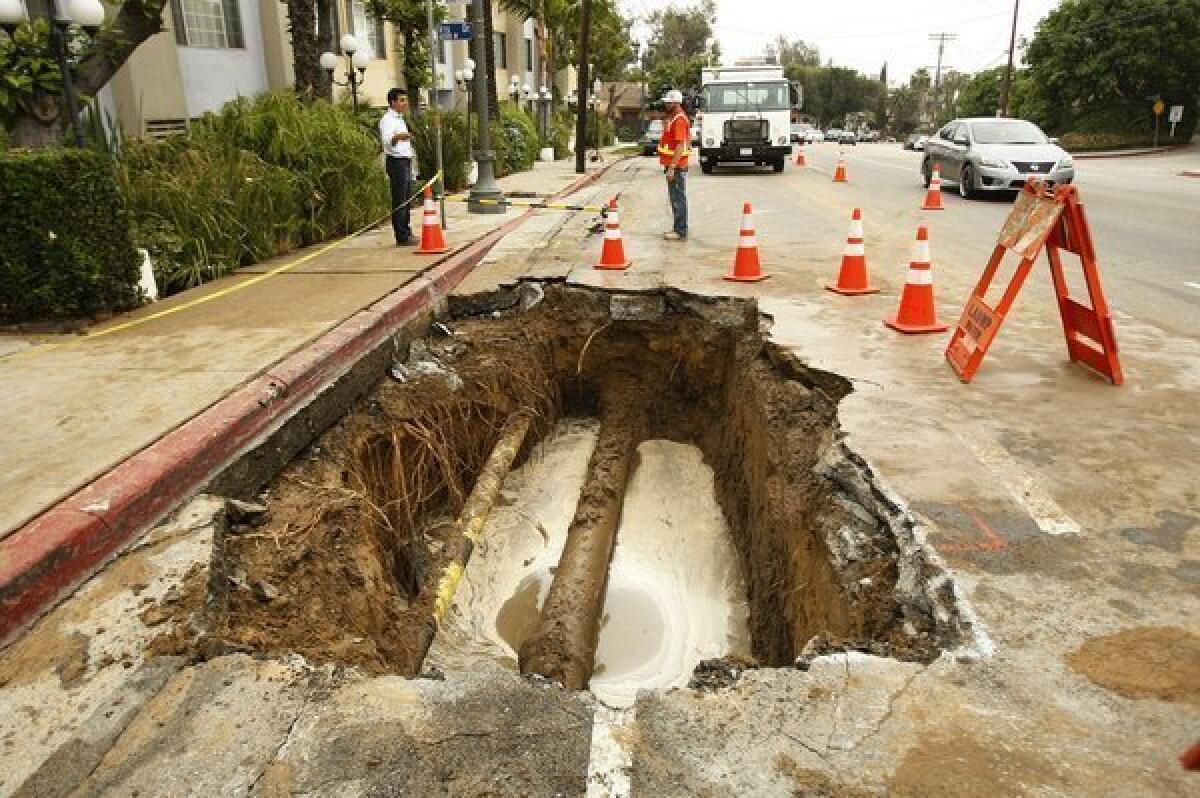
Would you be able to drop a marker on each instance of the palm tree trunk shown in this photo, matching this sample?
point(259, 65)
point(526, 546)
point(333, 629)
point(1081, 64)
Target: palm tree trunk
point(490, 44)
point(302, 21)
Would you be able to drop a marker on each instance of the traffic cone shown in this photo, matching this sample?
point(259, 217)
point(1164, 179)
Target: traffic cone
point(800, 157)
point(839, 174)
point(746, 267)
point(612, 256)
point(916, 313)
point(933, 197)
point(852, 279)
point(432, 242)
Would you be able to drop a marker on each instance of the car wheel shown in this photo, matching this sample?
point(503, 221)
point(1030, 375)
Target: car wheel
point(926, 174)
point(966, 183)
point(707, 167)
point(778, 165)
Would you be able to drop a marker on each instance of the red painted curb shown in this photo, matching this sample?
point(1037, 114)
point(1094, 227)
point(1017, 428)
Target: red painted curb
point(45, 560)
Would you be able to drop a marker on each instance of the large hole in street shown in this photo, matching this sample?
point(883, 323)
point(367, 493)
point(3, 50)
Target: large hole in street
point(681, 495)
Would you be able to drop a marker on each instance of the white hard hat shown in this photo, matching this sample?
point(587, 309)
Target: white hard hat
point(673, 96)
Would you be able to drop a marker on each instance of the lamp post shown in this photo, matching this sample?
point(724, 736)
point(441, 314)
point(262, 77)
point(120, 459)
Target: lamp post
point(485, 187)
point(359, 59)
point(544, 106)
point(61, 14)
point(529, 96)
point(514, 88)
point(463, 78)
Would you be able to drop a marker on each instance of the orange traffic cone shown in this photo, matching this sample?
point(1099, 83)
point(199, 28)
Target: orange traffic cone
point(432, 242)
point(933, 197)
point(746, 267)
point(612, 256)
point(917, 314)
point(839, 174)
point(852, 279)
point(800, 157)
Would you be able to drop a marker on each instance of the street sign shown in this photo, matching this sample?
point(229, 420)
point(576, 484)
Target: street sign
point(455, 31)
point(1159, 107)
point(1176, 114)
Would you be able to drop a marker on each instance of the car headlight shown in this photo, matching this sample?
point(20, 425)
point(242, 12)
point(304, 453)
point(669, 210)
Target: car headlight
point(1066, 163)
point(993, 163)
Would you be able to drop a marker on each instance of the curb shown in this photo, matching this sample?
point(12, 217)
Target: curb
point(1084, 156)
point(44, 561)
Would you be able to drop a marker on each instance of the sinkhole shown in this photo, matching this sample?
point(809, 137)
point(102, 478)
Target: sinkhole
point(677, 493)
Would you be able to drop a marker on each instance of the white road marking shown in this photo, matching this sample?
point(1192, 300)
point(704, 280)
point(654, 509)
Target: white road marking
point(1045, 511)
point(1193, 285)
point(610, 762)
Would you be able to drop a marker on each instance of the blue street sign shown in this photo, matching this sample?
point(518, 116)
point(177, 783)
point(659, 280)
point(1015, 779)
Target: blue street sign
point(455, 31)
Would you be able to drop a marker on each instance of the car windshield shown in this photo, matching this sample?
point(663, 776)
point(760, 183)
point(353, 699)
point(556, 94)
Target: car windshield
point(746, 97)
point(1007, 132)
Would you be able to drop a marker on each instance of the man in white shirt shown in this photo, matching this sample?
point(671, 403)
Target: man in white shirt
point(398, 157)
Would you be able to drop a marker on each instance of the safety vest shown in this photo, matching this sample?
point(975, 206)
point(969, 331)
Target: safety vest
point(666, 152)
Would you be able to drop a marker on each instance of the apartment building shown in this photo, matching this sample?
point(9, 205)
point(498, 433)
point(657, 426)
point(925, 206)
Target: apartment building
point(211, 51)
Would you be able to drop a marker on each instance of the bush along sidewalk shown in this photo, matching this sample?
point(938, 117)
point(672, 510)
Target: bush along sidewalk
point(65, 246)
point(257, 179)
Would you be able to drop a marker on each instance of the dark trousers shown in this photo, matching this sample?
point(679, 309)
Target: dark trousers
point(399, 172)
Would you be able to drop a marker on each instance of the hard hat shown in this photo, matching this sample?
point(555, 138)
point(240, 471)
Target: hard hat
point(673, 96)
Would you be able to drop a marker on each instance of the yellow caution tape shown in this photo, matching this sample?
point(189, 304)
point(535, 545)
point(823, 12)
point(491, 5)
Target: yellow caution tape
point(554, 206)
point(217, 294)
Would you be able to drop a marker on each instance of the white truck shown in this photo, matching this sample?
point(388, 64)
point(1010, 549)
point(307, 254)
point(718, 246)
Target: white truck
point(745, 116)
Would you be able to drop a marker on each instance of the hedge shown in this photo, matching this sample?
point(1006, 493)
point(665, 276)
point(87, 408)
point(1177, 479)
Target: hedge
point(65, 246)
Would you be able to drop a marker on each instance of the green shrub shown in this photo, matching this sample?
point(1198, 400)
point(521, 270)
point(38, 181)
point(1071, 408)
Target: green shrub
point(456, 155)
point(600, 130)
point(561, 126)
point(254, 180)
point(65, 246)
point(515, 140)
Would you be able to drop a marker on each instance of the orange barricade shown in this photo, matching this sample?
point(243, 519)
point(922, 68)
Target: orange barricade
point(1054, 220)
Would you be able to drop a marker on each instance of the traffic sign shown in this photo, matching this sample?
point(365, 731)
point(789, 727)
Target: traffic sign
point(1159, 107)
point(455, 31)
point(1176, 114)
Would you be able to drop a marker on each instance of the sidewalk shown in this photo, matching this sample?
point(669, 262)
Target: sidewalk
point(1129, 153)
point(76, 409)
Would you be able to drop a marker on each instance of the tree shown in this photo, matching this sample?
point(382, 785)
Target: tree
point(1096, 65)
point(903, 117)
point(681, 43)
point(786, 52)
point(310, 38)
point(409, 20)
point(981, 95)
point(30, 98)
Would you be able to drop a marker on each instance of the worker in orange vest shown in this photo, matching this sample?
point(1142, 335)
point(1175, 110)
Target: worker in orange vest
point(673, 150)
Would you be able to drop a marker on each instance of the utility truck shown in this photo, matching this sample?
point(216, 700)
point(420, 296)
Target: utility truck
point(746, 116)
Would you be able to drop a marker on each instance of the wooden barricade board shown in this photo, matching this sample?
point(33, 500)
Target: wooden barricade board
point(1054, 221)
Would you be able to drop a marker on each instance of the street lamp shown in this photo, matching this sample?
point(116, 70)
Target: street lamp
point(360, 58)
point(514, 88)
point(544, 107)
point(61, 14)
point(486, 193)
point(463, 77)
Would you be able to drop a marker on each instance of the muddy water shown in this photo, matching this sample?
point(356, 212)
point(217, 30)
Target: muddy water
point(675, 593)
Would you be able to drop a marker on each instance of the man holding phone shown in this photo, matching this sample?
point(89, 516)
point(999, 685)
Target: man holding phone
point(398, 157)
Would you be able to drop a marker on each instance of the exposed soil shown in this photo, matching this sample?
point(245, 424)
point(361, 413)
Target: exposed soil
point(1160, 662)
point(345, 565)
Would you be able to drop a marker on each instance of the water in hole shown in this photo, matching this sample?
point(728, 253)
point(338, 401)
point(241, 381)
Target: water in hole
point(675, 592)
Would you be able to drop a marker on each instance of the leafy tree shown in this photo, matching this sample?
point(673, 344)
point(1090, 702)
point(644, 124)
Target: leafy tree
point(786, 53)
point(903, 115)
point(681, 44)
point(408, 20)
point(1096, 65)
point(30, 98)
point(981, 95)
point(310, 38)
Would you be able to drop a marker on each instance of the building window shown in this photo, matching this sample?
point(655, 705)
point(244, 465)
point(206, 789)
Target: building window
point(500, 45)
point(368, 28)
point(208, 23)
point(529, 55)
point(332, 22)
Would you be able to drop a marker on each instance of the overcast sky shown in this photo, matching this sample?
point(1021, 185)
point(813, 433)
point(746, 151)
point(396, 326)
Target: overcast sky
point(864, 33)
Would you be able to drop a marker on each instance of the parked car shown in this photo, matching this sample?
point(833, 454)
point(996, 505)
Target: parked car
point(848, 137)
point(813, 136)
point(915, 141)
point(797, 132)
point(870, 135)
point(651, 137)
point(990, 154)
point(833, 134)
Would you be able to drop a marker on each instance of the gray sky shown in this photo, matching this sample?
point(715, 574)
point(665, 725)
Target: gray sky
point(862, 34)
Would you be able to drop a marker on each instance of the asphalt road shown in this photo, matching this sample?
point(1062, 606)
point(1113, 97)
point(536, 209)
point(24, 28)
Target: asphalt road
point(1145, 218)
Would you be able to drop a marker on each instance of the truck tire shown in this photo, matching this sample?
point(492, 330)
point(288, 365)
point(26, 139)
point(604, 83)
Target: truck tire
point(778, 165)
point(707, 167)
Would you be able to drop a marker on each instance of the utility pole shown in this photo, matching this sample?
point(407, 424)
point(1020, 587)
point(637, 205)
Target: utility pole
point(941, 39)
point(1012, 45)
point(486, 187)
point(585, 25)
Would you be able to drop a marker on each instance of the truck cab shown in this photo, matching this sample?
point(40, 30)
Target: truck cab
point(746, 116)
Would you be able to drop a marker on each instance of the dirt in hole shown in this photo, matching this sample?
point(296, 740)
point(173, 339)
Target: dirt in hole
point(359, 528)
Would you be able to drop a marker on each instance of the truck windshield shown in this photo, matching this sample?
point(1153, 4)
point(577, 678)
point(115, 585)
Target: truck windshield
point(746, 97)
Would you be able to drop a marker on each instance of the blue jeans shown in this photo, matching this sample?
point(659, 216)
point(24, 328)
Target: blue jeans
point(677, 194)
